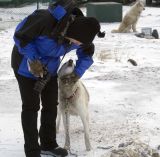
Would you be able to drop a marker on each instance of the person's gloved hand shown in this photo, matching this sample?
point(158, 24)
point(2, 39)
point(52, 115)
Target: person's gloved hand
point(41, 83)
point(74, 77)
point(70, 78)
point(88, 49)
point(36, 68)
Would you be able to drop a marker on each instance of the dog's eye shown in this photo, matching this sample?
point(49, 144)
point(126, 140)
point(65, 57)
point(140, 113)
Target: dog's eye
point(64, 79)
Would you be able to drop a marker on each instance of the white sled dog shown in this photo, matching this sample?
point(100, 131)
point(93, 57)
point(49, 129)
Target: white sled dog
point(73, 100)
point(130, 19)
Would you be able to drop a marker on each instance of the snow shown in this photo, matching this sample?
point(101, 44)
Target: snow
point(124, 99)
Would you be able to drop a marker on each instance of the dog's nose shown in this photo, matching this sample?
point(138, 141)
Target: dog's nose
point(70, 62)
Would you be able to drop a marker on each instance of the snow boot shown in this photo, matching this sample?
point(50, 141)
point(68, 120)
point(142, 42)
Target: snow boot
point(56, 152)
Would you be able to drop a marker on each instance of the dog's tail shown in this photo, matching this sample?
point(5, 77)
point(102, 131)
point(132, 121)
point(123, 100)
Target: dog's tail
point(115, 31)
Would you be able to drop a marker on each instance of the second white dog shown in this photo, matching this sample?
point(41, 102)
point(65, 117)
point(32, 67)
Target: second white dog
point(130, 19)
point(73, 100)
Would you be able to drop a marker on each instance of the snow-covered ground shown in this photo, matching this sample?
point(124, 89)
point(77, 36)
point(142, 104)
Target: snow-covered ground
point(125, 99)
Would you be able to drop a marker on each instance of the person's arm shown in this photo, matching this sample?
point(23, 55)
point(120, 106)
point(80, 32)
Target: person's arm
point(27, 32)
point(85, 59)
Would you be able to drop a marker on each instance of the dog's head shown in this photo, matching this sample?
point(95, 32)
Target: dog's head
point(65, 72)
point(140, 5)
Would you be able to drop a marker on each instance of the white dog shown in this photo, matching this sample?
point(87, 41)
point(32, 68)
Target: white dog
point(73, 100)
point(130, 19)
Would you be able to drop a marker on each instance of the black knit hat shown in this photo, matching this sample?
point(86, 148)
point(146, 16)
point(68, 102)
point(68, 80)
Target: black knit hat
point(84, 29)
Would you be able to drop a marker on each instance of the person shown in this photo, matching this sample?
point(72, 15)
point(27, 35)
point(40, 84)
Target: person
point(36, 54)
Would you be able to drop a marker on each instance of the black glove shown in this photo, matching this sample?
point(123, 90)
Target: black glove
point(74, 77)
point(41, 82)
point(88, 49)
point(70, 78)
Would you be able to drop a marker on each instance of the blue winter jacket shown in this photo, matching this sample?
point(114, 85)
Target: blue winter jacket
point(34, 40)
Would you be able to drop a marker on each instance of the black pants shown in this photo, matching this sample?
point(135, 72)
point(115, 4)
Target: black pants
point(30, 107)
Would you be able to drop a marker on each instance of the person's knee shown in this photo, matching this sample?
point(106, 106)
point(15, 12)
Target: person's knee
point(32, 105)
point(50, 105)
point(50, 109)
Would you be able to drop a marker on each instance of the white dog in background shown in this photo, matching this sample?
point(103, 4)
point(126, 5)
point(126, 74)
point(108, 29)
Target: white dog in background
point(130, 19)
point(73, 100)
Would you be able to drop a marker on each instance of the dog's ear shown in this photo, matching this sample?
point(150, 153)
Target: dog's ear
point(140, 4)
point(137, 1)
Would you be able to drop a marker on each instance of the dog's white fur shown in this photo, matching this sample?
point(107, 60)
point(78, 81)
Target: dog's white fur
point(130, 19)
point(73, 100)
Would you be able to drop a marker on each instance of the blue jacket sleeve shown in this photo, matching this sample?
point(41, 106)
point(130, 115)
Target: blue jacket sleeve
point(29, 51)
point(83, 63)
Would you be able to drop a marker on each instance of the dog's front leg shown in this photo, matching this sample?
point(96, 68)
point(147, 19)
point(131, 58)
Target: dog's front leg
point(127, 29)
point(66, 127)
point(85, 121)
point(134, 27)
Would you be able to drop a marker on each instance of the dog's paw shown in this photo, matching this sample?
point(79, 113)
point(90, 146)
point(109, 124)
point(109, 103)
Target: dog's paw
point(89, 149)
